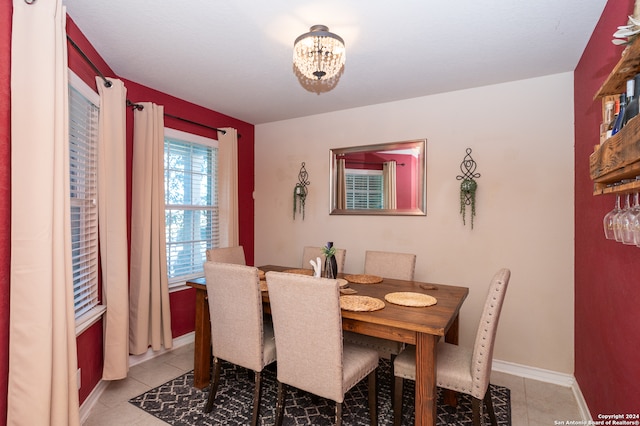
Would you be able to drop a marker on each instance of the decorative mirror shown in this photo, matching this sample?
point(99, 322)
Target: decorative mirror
point(382, 179)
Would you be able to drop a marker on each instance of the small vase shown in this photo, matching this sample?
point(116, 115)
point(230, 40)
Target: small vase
point(330, 267)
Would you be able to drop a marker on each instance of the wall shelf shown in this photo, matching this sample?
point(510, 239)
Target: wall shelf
point(616, 162)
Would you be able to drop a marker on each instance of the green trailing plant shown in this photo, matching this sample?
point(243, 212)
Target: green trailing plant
point(299, 197)
point(468, 189)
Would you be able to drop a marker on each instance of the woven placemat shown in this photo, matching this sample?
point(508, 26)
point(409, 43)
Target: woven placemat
point(263, 285)
point(348, 290)
point(261, 274)
point(360, 303)
point(300, 271)
point(407, 298)
point(363, 279)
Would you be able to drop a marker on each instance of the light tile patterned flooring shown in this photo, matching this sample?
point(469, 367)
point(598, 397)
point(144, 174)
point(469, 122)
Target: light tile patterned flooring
point(533, 403)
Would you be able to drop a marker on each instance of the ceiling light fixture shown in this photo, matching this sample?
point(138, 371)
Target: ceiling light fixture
point(319, 55)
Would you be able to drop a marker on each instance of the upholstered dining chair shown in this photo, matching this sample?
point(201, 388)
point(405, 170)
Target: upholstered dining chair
point(227, 255)
point(311, 355)
point(311, 253)
point(398, 266)
point(461, 369)
point(238, 333)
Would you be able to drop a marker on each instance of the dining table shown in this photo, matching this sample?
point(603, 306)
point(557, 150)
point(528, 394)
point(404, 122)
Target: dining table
point(419, 326)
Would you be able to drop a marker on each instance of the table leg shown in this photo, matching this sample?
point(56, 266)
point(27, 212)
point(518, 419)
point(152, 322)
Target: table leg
point(426, 391)
point(202, 342)
point(451, 397)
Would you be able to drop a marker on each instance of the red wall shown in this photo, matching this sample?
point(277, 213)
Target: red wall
point(607, 283)
point(182, 302)
point(6, 10)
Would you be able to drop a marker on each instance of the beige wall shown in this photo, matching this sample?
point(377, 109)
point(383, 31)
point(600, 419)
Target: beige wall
point(521, 134)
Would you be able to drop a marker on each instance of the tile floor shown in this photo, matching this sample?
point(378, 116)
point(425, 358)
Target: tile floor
point(533, 403)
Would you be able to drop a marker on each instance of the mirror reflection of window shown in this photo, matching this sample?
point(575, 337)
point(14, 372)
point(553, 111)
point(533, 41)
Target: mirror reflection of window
point(364, 189)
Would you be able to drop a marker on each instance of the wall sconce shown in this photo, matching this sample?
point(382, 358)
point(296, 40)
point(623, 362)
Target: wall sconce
point(300, 192)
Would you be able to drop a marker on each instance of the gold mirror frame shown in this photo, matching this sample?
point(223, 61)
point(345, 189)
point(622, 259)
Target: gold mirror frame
point(410, 158)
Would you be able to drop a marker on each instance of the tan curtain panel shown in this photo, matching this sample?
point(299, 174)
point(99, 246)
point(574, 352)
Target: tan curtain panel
point(149, 314)
point(112, 217)
point(341, 185)
point(228, 187)
point(42, 387)
point(389, 184)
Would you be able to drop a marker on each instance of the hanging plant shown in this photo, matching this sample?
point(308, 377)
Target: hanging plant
point(299, 197)
point(468, 186)
point(468, 197)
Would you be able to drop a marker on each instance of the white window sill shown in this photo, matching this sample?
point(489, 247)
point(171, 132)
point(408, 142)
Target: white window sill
point(90, 318)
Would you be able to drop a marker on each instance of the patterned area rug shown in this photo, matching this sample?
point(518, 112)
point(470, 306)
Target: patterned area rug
point(178, 403)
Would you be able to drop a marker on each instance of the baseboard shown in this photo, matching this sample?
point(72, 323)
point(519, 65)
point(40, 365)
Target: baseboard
point(180, 341)
point(92, 400)
point(582, 403)
point(96, 393)
point(548, 376)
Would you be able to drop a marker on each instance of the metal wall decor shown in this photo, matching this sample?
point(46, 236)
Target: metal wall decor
point(468, 186)
point(300, 191)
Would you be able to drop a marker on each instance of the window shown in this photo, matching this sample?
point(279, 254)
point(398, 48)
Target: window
point(83, 167)
point(364, 189)
point(191, 203)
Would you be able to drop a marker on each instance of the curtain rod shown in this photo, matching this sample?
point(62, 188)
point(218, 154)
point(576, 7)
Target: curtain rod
point(107, 83)
point(141, 107)
point(371, 162)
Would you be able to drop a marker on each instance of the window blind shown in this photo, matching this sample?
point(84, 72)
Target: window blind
point(191, 206)
point(364, 191)
point(83, 143)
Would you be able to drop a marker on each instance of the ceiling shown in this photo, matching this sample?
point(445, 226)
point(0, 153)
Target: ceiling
point(234, 57)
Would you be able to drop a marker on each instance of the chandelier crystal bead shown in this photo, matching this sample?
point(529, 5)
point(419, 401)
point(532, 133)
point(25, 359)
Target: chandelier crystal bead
point(319, 54)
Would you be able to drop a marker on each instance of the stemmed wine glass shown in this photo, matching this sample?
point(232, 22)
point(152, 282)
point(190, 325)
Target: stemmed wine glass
point(609, 232)
point(628, 222)
point(618, 220)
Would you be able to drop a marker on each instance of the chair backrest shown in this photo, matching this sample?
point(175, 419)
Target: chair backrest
point(235, 308)
point(486, 334)
point(399, 266)
point(227, 255)
point(311, 253)
point(307, 325)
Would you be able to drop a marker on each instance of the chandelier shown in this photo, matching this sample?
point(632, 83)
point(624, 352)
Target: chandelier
point(319, 55)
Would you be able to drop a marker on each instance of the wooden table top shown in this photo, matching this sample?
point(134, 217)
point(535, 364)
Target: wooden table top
point(435, 319)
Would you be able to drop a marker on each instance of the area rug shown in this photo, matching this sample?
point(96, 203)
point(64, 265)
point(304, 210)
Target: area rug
point(178, 403)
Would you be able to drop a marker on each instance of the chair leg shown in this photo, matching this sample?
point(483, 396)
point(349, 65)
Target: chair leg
point(373, 399)
point(398, 385)
point(338, 413)
point(280, 404)
point(476, 404)
point(392, 358)
point(256, 398)
point(489, 403)
point(215, 381)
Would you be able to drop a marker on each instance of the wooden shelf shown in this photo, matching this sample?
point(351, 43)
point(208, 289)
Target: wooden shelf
point(616, 162)
point(625, 69)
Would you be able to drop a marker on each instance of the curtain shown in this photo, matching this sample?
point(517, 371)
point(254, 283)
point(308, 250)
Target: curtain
point(112, 207)
point(42, 384)
point(228, 187)
point(149, 314)
point(341, 185)
point(389, 184)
